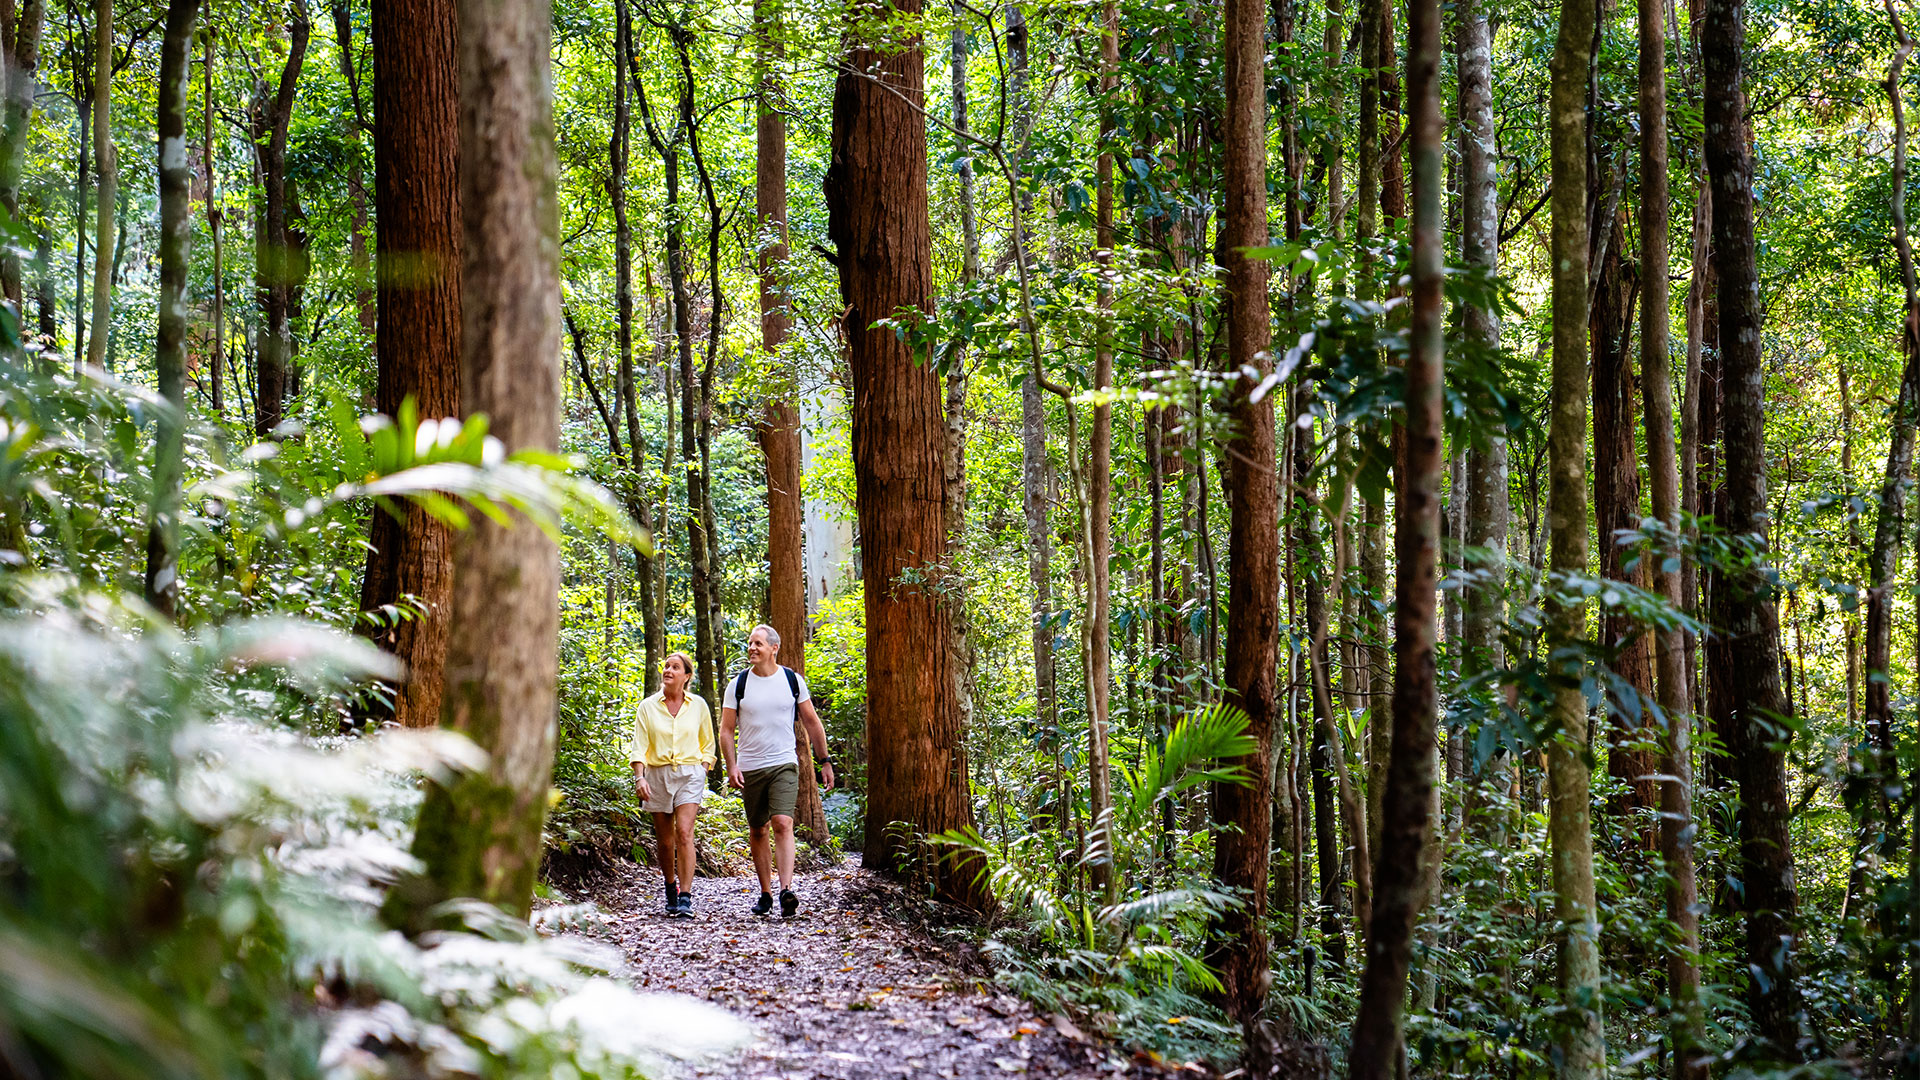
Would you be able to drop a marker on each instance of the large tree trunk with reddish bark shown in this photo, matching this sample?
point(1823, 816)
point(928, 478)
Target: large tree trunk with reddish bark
point(1239, 949)
point(1746, 623)
point(416, 183)
point(1616, 506)
point(1686, 1028)
point(480, 837)
point(876, 195)
point(779, 428)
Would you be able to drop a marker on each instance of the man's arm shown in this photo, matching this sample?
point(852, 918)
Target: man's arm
point(728, 718)
point(817, 735)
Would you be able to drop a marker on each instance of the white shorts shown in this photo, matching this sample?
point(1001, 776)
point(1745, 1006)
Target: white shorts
point(674, 786)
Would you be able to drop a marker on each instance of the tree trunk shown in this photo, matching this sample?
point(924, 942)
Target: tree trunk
point(1743, 605)
point(1407, 808)
point(955, 449)
point(1693, 411)
point(82, 183)
point(107, 166)
point(272, 245)
point(780, 428)
point(1616, 507)
point(634, 484)
point(1239, 951)
point(481, 836)
point(1569, 823)
point(1034, 466)
point(22, 59)
point(364, 297)
point(1099, 484)
point(1487, 498)
point(43, 270)
point(218, 351)
point(876, 196)
point(1687, 1029)
point(706, 659)
point(416, 184)
point(1889, 521)
point(162, 586)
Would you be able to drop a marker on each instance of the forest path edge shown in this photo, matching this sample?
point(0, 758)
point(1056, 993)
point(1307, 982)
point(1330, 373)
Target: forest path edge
point(847, 989)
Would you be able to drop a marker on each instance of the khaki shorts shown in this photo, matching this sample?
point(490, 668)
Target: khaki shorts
point(674, 786)
point(771, 792)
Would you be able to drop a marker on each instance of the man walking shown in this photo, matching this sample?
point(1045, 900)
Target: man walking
point(763, 704)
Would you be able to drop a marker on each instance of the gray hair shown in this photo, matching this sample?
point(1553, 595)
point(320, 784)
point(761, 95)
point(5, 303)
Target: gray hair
point(773, 636)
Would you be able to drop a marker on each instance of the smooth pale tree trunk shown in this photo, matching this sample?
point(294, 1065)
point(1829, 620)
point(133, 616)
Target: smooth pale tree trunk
point(1743, 607)
point(1099, 485)
point(779, 428)
point(418, 238)
point(1686, 1030)
point(1487, 510)
point(1407, 806)
point(1239, 948)
point(162, 585)
point(480, 837)
point(1569, 817)
point(107, 166)
point(877, 220)
point(273, 246)
point(22, 59)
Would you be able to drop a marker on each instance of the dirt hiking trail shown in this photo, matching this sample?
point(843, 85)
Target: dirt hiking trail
point(853, 987)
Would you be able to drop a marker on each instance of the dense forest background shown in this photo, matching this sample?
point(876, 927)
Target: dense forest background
point(1358, 537)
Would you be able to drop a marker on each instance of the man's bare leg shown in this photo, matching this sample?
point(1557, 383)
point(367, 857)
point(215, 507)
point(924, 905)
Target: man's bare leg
point(762, 857)
point(783, 848)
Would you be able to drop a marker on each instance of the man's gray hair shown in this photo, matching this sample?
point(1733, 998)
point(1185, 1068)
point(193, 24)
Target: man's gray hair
point(773, 636)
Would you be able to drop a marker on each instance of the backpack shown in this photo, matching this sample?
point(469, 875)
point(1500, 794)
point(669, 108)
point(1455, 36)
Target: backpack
point(793, 684)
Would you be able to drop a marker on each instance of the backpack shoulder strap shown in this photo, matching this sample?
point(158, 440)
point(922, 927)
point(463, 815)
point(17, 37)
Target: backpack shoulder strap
point(793, 684)
point(739, 689)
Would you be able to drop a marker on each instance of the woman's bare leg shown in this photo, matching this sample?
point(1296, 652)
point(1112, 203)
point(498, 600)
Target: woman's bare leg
point(663, 843)
point(683, 816)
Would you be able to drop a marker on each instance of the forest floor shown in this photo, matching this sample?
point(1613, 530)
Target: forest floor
point(857, 986)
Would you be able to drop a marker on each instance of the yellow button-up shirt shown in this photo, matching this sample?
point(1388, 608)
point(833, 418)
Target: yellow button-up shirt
point(661, 738)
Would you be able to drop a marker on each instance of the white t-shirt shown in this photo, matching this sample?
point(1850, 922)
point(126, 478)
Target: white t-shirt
point(766, 719)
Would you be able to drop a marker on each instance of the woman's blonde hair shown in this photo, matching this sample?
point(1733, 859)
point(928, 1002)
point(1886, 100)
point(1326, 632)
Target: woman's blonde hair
point(686, 662)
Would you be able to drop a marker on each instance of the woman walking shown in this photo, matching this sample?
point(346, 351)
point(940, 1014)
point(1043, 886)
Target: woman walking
point(671, 753)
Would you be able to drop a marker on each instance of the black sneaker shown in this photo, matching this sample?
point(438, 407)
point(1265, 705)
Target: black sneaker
point(684, 908)
point(673, 899)
point(789, 903)
point(764, 905)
